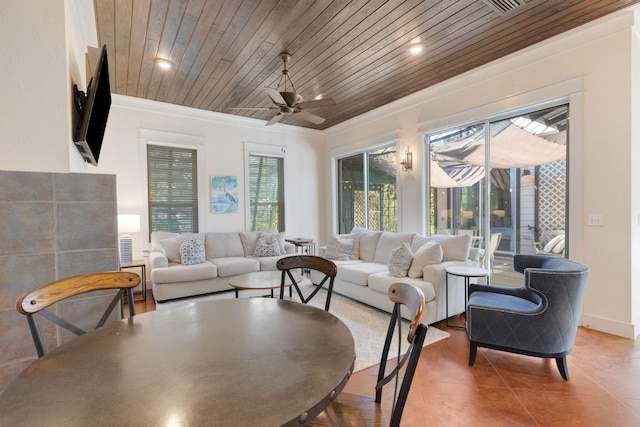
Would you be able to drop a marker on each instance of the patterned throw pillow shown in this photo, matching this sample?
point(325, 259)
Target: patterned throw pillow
point(400, 260)
point(192, 252)
point(339, 249)
point(267, 246)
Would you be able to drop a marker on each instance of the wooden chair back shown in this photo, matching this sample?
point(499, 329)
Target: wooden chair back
point(308, 262)
point(38, 300)
point(351, 409)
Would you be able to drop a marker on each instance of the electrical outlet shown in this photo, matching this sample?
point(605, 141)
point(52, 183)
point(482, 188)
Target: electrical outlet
point(595, 220)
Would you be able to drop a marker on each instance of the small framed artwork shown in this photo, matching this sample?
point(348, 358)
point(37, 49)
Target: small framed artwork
point(224, 194)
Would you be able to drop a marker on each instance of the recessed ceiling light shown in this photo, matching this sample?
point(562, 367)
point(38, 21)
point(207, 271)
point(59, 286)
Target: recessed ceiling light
point(165, 64)
point(416, 48)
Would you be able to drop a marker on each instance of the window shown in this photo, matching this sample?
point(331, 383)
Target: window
point(266, 192)
point(173, 189)
point(367, 194)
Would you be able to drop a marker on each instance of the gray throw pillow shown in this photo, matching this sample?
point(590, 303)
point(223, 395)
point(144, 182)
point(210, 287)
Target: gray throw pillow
point(339, 249)
point(400, 260)
point(267, 246)
point(192, 252)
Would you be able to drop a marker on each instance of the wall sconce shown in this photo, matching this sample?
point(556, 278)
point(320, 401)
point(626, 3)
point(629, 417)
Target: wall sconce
point(407, 160)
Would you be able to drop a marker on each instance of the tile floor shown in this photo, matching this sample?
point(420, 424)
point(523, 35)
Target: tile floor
point(504, 389)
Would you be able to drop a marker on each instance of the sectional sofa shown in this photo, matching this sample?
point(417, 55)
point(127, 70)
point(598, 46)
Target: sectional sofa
point(365, 269)
point(184, 265)
point(368, 263)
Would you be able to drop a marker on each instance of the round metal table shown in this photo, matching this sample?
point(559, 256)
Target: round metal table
point(467, 272)
point(235, 362)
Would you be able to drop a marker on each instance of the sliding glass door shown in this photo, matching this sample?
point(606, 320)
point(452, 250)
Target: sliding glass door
point(504, 182)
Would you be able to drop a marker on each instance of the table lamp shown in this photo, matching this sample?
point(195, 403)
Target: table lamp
point(127, 223)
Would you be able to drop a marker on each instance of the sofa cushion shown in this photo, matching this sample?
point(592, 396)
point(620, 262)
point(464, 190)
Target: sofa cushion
point(431, 253)
point(419, 241)
point(249, 240)
point(192, 252)
point(389, 241)
point(184, 273)
point(339, 249)
point(380, 282)
point(368, 242)
point(400, 260)
point(455, 248)
point(223, 244)
point(170, 247)
point(231, 266)
point(357, 273)
point(267, 245)
point(156, 236)
point(268, 263)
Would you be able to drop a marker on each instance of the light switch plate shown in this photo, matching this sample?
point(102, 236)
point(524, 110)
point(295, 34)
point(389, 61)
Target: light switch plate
point(595, 220)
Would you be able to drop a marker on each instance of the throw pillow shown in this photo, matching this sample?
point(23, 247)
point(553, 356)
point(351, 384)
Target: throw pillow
point(339, 249)
point(280, 237)
point(428, 254)
point(267, 246)
point(400, 260)
point(192, 252)
point(171, 247)
point(456, 248)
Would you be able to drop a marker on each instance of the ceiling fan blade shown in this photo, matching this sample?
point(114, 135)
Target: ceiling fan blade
point(325, 102)
point(252, 108)
point(275, 119)
point(275, 96)
point(311, 117)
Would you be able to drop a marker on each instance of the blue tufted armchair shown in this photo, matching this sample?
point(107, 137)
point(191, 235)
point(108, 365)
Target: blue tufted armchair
point(539, 319)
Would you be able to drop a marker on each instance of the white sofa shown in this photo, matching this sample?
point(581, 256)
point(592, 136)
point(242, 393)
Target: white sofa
point(365, 276)
point(227, 254)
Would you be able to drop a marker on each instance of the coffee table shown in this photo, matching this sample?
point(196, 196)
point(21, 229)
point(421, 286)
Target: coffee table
point(268, 280)
point(462, 271)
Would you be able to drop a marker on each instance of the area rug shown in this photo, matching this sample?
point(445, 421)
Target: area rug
point(367, 324)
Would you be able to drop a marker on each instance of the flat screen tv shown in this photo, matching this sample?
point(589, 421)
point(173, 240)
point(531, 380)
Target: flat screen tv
point(92, 111)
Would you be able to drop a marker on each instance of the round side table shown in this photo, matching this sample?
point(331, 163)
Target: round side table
point(467, 272)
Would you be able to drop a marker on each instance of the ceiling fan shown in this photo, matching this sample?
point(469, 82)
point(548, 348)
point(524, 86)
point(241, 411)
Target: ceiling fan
point(289, 102)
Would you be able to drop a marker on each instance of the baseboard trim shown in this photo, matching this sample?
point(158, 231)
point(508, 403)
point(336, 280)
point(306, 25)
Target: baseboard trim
point(609, 326)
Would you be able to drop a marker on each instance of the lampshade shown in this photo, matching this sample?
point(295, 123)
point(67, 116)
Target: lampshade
point(128, 223)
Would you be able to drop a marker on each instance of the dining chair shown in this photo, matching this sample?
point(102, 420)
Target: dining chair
point(38, 300)
point(356, 410)
point(308, 262)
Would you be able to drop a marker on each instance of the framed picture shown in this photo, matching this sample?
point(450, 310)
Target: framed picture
point(224, 194)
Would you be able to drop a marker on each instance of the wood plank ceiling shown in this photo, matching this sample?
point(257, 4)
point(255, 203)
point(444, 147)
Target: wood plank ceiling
point(225, 52)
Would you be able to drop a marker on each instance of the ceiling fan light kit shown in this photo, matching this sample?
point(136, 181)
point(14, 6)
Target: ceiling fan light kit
point(287, 102)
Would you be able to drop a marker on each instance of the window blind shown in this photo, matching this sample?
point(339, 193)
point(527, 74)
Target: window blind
point(173, 189)
point(266, 192)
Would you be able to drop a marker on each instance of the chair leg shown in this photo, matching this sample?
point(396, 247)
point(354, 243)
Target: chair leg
point(473, 350)
point(563, 367)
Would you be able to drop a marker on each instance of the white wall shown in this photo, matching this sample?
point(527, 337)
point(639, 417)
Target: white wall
point(34, 86)
point(592, 68)
point(222, 139)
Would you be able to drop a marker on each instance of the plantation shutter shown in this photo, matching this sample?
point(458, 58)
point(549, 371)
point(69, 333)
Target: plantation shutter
point(173, 189)
point(266, 192)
